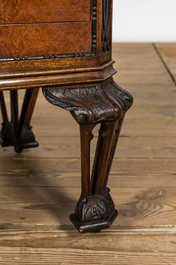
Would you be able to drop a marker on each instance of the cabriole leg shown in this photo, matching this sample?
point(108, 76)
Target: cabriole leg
point(102, 103)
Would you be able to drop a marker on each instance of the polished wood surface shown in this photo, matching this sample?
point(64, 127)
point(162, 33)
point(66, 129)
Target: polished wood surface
point(37, 28)
point(44, 11)
point(39, 188)
point(45, 39)
point(40, 67)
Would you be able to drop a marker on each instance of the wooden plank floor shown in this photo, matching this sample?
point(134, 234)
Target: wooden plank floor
point(39, 187)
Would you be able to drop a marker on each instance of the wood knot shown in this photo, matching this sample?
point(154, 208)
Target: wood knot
point(151, 194)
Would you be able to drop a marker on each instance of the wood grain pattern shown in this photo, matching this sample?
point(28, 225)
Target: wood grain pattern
point(33, 11)
point(136, 173)
point(55, 247)
point(69, 147)
point(39, 172)
point(45, 62)
point(50, 206)
point(59, 76)
point(45, 39)
point(25, 67)
point(167, 52)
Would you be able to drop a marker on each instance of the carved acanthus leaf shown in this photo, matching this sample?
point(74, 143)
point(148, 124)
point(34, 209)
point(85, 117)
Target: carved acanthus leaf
point(91, 103)
point(95, 207)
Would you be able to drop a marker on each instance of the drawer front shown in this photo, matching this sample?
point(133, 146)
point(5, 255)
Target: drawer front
point(45, 39)
point(38, 11)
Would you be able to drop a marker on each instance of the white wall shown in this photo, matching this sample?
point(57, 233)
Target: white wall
point(144, 21)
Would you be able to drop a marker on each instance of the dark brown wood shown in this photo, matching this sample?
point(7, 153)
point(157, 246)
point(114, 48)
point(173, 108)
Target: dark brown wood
point(27, 110)
point(17, 132)
point(106, 27)
point(65, 48)
point(3, 108)
point(14, 107)
point(24, 135)
point(112, 149)
point(98, 103)
point(99, 176)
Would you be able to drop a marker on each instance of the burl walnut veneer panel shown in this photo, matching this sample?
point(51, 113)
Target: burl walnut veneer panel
point(34, 11)
point(45, 39)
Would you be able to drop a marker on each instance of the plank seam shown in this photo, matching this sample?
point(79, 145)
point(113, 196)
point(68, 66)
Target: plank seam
point(164, 63)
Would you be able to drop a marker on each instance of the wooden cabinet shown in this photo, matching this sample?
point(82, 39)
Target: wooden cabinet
point(64, 47)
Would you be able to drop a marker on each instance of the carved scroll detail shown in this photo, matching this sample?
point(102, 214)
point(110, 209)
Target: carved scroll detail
point(104, 101)
point(121, 95)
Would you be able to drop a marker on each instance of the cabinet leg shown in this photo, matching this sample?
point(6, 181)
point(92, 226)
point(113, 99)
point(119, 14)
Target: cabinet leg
point(24, 136)
point(95, 209)
point(104, 103)
point(17, 132)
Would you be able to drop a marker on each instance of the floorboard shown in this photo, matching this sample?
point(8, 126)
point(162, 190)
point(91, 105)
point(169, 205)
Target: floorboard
point(167, 51)
point(55, 247)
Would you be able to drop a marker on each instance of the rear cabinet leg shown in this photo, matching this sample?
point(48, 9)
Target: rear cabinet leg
point(17, 132)
point(102, 103)
point(24, 136)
